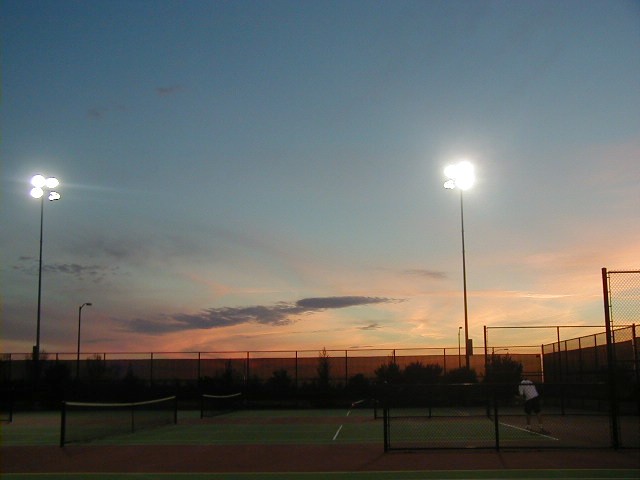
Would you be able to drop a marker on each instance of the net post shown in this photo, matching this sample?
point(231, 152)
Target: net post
point(175, 410)
point(133, 416)
point(385, 423)
point(63, 422)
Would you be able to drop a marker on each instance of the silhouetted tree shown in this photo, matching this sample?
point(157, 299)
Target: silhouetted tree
point(417, 373)
point(389, 373)
point(503, 369)
point(280, 382)
point(504, 374)
point(461, 375)
point(359, 385)
point(96, 368)
point(323, 370)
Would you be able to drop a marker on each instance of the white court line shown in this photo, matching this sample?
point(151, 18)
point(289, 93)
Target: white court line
point(529, 431)
point(337, 433)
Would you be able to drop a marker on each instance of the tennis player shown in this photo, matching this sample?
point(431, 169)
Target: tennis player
point(531, 402)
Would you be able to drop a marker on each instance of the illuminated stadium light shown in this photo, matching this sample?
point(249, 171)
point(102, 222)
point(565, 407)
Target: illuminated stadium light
point(462, 176)
point(41, 185)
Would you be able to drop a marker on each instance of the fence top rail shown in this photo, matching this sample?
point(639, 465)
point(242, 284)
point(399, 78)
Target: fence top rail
point(385, 351)
point(568, 340)
point(546, 326)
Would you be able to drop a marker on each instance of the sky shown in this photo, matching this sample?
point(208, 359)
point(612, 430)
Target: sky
point(268, 175)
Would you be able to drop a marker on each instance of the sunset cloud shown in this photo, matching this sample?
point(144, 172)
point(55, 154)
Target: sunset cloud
point(339, 302)
point(276, 315)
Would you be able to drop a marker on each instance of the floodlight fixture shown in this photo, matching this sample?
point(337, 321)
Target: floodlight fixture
point(460, 175)
point(38, 181)
point(40, 184)
point(51, 182)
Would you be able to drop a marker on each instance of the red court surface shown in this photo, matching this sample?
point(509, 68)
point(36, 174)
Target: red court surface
point(295, 458)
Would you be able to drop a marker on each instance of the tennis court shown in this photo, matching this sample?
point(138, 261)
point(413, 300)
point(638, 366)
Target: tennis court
point(285, 444)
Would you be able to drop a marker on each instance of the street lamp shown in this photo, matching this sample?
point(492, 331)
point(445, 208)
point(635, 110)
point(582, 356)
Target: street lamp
point(41, 185)
point(462, 176)
point(87, 304)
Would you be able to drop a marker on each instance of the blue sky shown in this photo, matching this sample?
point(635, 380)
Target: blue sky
point(268, 175)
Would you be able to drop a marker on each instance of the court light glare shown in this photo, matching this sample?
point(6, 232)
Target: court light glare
point(40, 183)
point(460, 175)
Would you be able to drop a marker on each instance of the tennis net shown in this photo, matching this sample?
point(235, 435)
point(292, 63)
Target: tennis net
point(214, 405)
point(84, 422)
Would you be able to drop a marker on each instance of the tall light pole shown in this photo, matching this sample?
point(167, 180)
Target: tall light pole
point(86, 304)
point(462, 176)
point(41, 185)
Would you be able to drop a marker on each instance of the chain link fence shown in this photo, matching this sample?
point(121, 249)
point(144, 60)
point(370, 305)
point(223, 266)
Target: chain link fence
point(491, 416)
point(589, 387)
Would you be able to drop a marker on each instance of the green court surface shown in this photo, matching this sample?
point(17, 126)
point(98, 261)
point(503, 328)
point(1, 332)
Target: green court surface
point(275, 427)
point(268, 427)
point(321, 428)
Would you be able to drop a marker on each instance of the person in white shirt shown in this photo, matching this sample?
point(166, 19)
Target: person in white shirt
point(531, 402)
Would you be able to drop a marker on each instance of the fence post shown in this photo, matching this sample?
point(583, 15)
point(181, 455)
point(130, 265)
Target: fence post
point(346, 368)
point(580, 359)
point(444, 361)
point(560, 375)
point(246, 372)
point(11, 369)
point(199, 383)
point(486, 352)
point(636, 367)
point(610, 363)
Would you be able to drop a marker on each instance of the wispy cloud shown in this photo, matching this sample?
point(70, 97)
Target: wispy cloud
point(433, 274)
point(371, 326)
point(97, 273)
point(276, 315)
point(99, 112)
point(170, 90)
